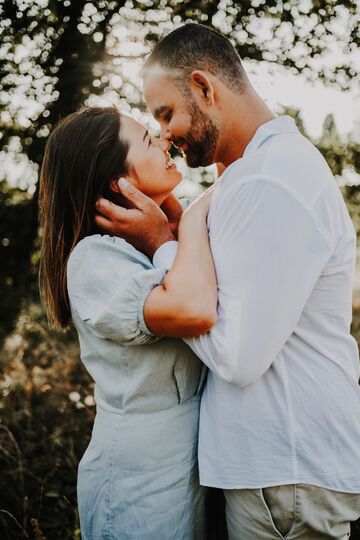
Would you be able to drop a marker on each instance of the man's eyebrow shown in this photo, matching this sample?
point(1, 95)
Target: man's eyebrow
point(145, 134)
point(160, 110)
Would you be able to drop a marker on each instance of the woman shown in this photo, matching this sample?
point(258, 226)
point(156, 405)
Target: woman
point(138, 477)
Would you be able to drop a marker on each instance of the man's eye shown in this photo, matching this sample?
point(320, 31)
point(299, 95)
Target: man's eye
point(168, 116)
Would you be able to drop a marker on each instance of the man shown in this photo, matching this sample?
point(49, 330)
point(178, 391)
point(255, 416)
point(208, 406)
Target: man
point(280, 417)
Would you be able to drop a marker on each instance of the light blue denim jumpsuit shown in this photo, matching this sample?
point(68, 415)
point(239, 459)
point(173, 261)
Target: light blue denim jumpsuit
point(138, 478)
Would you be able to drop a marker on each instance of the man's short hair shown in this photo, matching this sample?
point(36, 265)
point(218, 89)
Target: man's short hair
point(195, 46)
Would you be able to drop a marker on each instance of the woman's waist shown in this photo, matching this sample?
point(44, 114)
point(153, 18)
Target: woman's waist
point(144, 392)
point(138, 442)
point(109, 414)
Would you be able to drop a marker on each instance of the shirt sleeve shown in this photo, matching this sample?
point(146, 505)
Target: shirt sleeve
point(108, 282)
point(165, 255)
point(268, 254)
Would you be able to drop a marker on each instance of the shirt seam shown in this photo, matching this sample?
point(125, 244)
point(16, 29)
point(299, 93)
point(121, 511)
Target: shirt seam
point(291, 418)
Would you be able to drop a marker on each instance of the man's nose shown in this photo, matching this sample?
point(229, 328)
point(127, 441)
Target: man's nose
point(165, 134)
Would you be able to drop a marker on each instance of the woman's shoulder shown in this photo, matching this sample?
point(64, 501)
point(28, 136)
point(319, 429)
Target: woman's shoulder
point(99, 242)
point(97, 246)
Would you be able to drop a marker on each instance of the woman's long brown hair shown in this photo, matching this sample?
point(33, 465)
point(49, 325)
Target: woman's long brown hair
point(83, 154)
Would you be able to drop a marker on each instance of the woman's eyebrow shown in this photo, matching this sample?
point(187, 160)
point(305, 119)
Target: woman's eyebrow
point(145, 134)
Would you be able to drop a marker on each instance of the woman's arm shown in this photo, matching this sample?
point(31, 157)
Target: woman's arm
point(185, 304)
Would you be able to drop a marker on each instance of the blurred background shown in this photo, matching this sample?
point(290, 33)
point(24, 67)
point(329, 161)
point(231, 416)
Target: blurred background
point(302, 57)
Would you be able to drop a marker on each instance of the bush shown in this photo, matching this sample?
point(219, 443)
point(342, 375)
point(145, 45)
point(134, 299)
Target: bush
point(47, 414)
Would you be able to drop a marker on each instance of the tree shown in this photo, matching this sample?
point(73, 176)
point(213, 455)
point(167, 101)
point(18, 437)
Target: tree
point(45, 49)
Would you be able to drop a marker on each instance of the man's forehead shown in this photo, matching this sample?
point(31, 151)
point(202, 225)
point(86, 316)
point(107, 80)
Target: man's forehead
point(159, 89)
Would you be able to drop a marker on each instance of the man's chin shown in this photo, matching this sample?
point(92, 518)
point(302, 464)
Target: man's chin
point(194, 162)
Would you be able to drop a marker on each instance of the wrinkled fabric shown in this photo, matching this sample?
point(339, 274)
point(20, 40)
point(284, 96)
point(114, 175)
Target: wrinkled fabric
point(139, 477)
point(292, 512)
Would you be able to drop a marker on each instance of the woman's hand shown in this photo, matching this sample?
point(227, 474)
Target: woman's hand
point(185, 304)
point(173, 210)
point(200, 207)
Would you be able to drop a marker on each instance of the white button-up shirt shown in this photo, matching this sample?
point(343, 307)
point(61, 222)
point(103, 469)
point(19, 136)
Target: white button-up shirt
point(282, 401)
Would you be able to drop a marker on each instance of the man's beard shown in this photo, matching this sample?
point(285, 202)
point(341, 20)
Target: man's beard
point(201, 139)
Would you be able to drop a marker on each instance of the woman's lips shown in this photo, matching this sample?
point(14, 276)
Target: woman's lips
point(170, 164)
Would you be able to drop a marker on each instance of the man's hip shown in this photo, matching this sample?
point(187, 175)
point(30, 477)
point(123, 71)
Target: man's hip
point(297, 511)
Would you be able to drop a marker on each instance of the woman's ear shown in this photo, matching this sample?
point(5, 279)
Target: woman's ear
point(114, 185)
point(203, 85)
point(112, 193)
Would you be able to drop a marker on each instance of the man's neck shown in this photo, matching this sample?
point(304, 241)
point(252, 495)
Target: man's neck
point(247, 114)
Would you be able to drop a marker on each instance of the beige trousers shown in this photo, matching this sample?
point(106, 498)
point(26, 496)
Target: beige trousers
point(291, 512)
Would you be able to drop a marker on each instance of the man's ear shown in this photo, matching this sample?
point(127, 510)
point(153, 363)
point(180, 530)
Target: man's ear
point(202, 84)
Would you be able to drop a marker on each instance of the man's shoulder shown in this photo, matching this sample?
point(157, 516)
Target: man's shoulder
point(292, 163)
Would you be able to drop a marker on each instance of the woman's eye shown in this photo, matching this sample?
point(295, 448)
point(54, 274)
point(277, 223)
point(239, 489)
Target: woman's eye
point(150, 141)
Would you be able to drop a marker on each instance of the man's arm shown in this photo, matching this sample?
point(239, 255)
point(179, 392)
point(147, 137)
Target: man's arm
point(185, 304)
point(268, 256)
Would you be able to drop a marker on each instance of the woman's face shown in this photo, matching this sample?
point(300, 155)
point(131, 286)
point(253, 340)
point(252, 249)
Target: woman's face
point(151, 168)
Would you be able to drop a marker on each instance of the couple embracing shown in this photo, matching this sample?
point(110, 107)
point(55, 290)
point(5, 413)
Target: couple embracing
point(218, 337)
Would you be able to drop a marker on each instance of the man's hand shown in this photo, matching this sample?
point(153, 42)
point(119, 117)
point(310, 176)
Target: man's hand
point(145, 226)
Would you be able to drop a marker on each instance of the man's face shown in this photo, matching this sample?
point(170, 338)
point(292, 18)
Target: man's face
point(182, 120)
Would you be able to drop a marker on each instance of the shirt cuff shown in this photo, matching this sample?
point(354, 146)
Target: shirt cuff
point(165, 255)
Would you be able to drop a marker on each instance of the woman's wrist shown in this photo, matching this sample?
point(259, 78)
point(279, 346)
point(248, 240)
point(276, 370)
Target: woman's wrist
point(191, 217)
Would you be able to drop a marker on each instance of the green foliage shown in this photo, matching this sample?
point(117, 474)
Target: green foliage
point(45, 427)
point(18, 226)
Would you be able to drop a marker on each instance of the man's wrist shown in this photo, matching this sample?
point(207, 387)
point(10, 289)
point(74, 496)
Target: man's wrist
point(158, 242)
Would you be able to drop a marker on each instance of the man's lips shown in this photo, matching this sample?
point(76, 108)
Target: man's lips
point(179, 143)
point(183, 147)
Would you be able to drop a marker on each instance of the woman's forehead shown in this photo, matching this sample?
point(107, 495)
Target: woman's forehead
point(131, 125)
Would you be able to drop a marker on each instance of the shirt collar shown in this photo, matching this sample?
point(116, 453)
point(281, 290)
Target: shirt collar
point(277, 126)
